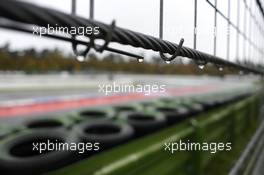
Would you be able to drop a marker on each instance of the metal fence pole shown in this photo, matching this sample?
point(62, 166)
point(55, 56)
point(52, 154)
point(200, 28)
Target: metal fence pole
point(73, 7)
point(237, 32)
point(244, 31)
point(215, 27)
point(195, 25)
point(161, 20)
point(91, 9)
point(228, 32)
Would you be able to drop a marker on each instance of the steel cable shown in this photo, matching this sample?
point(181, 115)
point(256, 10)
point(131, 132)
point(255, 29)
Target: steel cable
point(27, 13)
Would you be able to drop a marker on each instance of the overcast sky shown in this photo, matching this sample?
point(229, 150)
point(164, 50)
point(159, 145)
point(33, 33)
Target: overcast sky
point(143, 16)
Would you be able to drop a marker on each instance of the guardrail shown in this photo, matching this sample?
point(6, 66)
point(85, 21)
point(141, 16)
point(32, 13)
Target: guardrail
point(148, 155)
point(245, 164)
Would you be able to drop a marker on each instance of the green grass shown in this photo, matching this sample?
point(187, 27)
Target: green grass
point(222, 163)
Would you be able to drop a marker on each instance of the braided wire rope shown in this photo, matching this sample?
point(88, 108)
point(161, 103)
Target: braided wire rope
point(31, 14)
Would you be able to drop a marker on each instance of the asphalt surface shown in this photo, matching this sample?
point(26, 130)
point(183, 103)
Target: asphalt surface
point(47, 87)
point(22, 94)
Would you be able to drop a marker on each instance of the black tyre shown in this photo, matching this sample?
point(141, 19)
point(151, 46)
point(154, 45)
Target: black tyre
point(194, 108)
point(173, 114)
point(147, 104)
point(18, 156)
point(169, 100)
point(223, 101)
point(127, 108)
point(106, 133)
point(232, 99)
point(207, 103)
point(54, 123)
point(94, 114)
point(5, 131)
point(144, 122)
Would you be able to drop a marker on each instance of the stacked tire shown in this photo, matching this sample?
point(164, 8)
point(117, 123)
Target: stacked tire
point(105, 127)
point(18, 156)
point(94, 114)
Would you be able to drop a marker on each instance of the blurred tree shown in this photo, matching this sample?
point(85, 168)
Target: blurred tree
point(33, 61)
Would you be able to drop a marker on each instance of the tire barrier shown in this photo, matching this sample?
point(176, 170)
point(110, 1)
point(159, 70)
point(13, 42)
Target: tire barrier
point(232, 99)
point(223, 125)
point(194, 108)
point(107, 126)
point(146, 104)
point(17, 155)
point(107, 133)
point(207, 103)
point(93, 114)
point(5, 131)
point(173, 114)
point(210, 102)
point(169, 100)
point(222, 101)
point(127, 108)
point(215, 101)
point(54, 123)
point(144, 122)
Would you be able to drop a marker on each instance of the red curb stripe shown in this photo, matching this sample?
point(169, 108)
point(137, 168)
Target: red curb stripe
point(62, 105)
point(71, 104)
